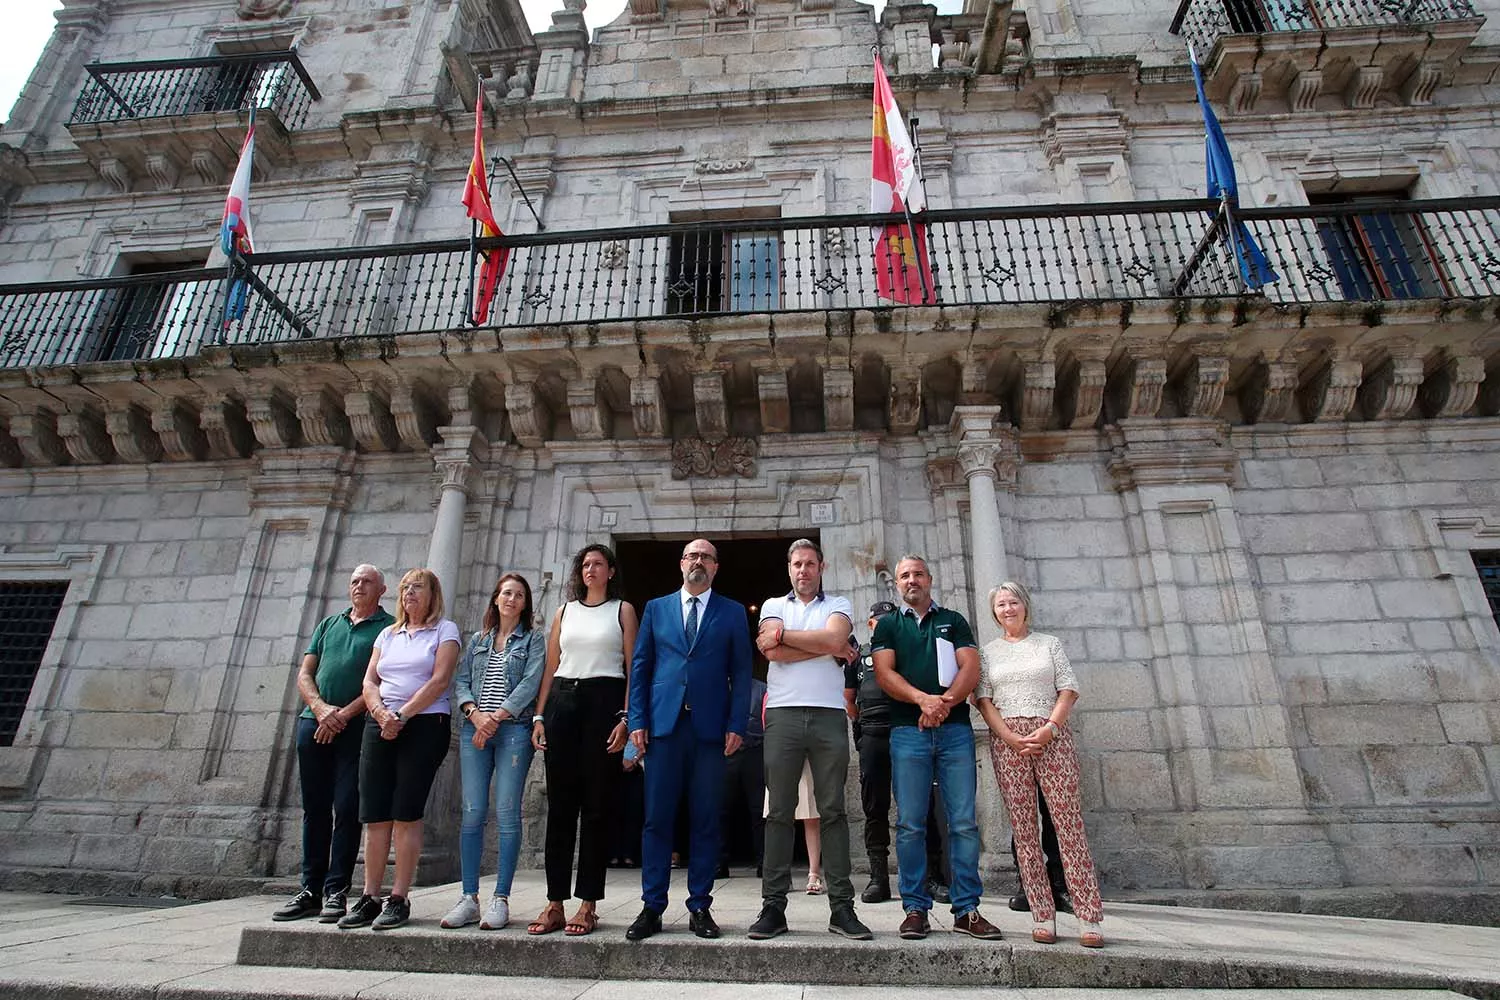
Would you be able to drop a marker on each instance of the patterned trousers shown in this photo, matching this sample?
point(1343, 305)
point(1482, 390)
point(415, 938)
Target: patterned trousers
point(1056, 770)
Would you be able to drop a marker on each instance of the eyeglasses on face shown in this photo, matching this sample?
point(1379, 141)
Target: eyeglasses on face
point(699, 557)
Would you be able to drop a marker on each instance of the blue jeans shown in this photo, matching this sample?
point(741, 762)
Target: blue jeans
point(329, 774)
point(917, 756)
point(502, 763)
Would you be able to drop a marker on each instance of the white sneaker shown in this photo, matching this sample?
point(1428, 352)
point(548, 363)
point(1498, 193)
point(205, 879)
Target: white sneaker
point(497, 915)
point(464, 913)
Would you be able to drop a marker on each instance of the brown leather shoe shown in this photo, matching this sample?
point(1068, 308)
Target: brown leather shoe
point(915, 926)
point(975, 926)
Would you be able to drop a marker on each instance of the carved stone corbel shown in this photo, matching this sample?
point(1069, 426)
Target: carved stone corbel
point(370, 420)
point(322, 418)
point(273, 419)
point(1141, 389)
point(1036, 392)
point(1418, 88)
point(775, 401)
point(1389, 391)
point(1081, 393)
point(710, 405)
point(227, 430)
point(590, 413)
point(1201, 391)
point(838, 399)
point(36, 435)
point(647, 409)
point(176, 426)
point(1269, 392)
point(85, 436)
point(207, 168)
point(416, 424)
point(904, 405)
point(1246, 92)
point(1329, 395)
point(530, 419)
point(1306, 88)
point(163, 171)
point(131, 433)
point(115, 174)
point(1364, 87)
point(1452, 389)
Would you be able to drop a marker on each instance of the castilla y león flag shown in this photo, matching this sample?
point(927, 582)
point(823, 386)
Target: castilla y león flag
point(477, 203)
point(902, 270)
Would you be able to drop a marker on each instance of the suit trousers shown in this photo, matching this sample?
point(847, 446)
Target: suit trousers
point(676, 762)
point(583, 783)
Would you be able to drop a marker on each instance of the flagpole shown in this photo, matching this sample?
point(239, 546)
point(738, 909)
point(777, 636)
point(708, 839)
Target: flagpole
point(517, 182)
point(473, 253)
point(916, 145)
point(223, 337)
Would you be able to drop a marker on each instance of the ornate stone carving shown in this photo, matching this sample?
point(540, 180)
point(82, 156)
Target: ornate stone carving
point(1306, 88)
point(613, 255)
point(1201, 392)
point(1269, 392)
point(162, 170)
point(130, 431)
point(36, 435)
point(835, 243)
point(1246, 92)
point(115, 174)
point(322, 419)
point(518, 84)
point(1141, 389)
point(263, 10)
point(530, 420)
point(227, 430)
point(838, 399)
point(273, 418)
point(591, 416)
point(1390, 390)
point(732, 8)
point(207, 168)
point(977, 458)
point(1364, 87)
point(775, 402)
point(176, 426)
point(370, 420)
point(1329, 395)
point(1036, 392)
point(416, 424)
point(84, 435)
point(1423, 82)
point(697, 458)
point(1082, 393)
point(1453, 388)
point(731, 166)
point(645, 10)
point(904, 406)
point(647, 411)
point(710, 406)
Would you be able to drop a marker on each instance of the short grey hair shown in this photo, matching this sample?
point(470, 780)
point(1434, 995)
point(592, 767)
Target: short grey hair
point(372, 568)
point(913, 557)
point(1016, 590)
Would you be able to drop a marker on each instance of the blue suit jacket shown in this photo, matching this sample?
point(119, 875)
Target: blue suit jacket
point(713, 676)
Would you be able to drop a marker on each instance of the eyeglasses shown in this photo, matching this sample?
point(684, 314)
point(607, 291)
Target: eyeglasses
point(699, 557)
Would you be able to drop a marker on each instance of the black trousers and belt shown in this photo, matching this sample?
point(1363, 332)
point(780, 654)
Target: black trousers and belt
point(583, 783)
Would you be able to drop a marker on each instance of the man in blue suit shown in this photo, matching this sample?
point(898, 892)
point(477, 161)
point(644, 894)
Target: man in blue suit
point(689, 701)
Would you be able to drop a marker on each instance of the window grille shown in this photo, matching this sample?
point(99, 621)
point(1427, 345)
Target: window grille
point(1488, 566)
point(27, 613)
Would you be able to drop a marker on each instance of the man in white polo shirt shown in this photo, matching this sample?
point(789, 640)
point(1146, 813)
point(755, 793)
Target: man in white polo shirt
point(800, 635)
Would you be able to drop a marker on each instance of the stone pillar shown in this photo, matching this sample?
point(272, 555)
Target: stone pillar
point(978, 449)
point(456, 457)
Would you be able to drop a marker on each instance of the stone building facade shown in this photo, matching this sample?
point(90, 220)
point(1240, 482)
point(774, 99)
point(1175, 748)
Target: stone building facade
point(1260, 522)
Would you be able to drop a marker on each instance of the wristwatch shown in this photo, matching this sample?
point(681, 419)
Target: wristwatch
point(396, 714)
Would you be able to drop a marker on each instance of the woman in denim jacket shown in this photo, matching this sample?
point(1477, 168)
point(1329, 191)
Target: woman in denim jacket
point(496, 686)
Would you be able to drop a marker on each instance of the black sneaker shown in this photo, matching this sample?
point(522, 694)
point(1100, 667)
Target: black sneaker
point(938, 891)
point(878, 891)
point(1063, 901)
point(841, 920)
point(1019, 902)
point(397, 912)
point(362, 913)
point(304, 904)
point(771, 922)
point(335, 905)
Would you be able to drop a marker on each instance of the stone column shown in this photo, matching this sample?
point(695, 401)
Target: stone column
point(456, 457)
point(978, 449)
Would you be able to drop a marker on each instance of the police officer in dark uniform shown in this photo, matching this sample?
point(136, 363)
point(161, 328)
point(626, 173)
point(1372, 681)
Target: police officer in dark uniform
point(872, 736)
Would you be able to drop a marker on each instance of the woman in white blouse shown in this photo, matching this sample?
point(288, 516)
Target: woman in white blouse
point(1026, 690)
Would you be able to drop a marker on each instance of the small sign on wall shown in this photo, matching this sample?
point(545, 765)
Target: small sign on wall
point(821, 512)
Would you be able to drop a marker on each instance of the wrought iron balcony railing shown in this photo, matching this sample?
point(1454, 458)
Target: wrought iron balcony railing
point(1065, 254)
point(1202, 22)
point(159, 89)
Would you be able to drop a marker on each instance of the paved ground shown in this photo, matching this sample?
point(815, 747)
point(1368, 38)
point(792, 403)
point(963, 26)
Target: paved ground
point(59, 946)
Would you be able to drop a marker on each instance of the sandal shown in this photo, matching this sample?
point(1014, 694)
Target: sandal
point(815, 885)
point(1044, 932)
point(551, 920)
point(583, 922)
point(1092, 936)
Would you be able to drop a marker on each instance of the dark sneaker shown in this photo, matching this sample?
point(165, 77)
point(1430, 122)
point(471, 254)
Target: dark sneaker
point(362, 913)
point(1020, 903)
point(304, 904)
point(771, 922)
point(1063, 900)
point(975, 926)
point(335, 905)
point(938, 891)
point(878, 891)
point(841, 920)
point(915, 927)
point(397, 912)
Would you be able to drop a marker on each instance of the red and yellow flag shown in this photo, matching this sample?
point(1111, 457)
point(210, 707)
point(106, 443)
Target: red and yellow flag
point(477, 203)
point(903, 272)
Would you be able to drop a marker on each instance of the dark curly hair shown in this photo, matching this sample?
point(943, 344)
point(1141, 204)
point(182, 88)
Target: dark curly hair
point(577, 591)
point(492, 613)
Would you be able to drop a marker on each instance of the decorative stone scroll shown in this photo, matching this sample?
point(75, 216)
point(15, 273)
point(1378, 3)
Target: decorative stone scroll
point(264, 10)
point(1453, 388)
point(695, 458)
point(1269, 392)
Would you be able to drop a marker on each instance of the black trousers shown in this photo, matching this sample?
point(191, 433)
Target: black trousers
point(1049, 849)
point(744, 789)
point(583, 782)
point(875, 798)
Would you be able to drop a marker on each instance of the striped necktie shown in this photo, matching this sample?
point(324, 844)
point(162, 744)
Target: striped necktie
point(692, 620)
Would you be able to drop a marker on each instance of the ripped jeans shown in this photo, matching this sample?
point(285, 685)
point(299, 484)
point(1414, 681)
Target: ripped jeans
point(499, 768)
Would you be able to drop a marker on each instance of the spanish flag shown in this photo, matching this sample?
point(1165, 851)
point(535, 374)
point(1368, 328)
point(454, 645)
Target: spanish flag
point(903, 272)
point(477, 203)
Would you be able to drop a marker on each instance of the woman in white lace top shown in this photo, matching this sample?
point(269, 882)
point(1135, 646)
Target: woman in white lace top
point(1026, 691)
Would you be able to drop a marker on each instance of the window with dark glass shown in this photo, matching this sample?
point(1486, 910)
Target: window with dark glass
point(1487, 564)
point(719, 268)
point(1379, 254)
point(27, 613)
point(130, 319)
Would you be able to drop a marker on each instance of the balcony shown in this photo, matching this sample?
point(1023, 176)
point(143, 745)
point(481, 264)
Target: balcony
point(162, 123)
point(1305, 55)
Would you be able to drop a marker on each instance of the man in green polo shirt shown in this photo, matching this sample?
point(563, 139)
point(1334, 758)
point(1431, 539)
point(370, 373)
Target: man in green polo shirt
point(330, 681)
point(926, 660)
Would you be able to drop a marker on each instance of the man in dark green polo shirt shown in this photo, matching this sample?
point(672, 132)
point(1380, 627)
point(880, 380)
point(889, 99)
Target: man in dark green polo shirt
point(926, 660)
point(330, 680)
